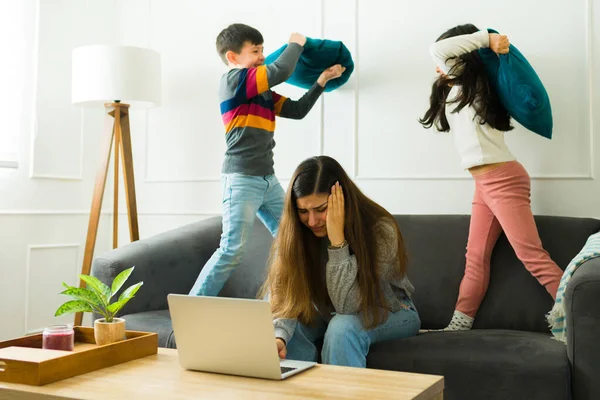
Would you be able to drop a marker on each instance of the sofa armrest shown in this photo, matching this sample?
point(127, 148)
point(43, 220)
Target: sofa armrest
point(583, 325)
point(167, 263)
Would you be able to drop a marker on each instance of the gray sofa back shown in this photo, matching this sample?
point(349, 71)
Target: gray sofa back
point(436, 246)
point(514, 300)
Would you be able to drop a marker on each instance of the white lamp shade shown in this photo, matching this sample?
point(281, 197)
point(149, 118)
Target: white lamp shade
point(102, 74)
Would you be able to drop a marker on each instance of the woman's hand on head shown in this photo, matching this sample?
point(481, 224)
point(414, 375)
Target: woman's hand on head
point(499, 44)
point(335, 215)
point(281, 348)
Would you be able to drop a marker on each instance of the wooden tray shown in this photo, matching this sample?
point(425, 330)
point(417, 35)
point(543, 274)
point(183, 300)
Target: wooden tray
point(23, 360)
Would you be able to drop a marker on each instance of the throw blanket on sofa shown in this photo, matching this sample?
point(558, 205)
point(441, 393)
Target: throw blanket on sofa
point(556, 317)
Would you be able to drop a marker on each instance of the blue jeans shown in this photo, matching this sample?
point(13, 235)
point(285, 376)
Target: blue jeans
point(244, 197)
point(345, 341)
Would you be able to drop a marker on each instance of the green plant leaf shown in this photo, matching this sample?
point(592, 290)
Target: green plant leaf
point(120, 280)
point(116, 307)
point(86, 295)
point(100, 288)
point(73, 306)
point(127, 295)
point(93, 292)
point(130, 291)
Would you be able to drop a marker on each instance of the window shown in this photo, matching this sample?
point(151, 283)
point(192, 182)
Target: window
point(13, 70)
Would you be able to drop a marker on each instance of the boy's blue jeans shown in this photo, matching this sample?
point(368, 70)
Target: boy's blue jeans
point(345, 341)
point(244, 197)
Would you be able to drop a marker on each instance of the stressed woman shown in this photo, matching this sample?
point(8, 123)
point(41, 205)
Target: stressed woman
point(337, 270)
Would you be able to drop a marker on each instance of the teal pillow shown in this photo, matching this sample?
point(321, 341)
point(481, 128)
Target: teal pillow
point(519, 89)
point(318, 55)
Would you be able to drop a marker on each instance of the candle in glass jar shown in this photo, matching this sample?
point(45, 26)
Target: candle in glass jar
point(58, 337)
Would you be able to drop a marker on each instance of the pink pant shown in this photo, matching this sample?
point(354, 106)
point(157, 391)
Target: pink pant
point(502, 202)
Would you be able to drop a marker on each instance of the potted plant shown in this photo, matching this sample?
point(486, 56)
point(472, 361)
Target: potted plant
point(96, 298)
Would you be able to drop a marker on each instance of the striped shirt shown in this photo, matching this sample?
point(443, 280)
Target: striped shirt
point(249, 107)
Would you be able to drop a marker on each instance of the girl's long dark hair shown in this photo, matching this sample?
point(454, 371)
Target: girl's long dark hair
point(469, 73)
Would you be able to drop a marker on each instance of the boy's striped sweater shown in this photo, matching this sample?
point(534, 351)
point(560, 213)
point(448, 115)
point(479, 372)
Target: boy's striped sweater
point(249, 107)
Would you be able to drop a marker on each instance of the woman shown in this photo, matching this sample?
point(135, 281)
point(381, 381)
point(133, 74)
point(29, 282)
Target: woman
point(337, 270)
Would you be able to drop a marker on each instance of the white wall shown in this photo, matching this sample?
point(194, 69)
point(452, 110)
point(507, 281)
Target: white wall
point(370, 125)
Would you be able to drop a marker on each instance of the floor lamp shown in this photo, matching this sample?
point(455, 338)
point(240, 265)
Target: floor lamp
point(115, 77)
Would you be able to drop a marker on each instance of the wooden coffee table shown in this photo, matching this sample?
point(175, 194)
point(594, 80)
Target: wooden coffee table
point(160, 377)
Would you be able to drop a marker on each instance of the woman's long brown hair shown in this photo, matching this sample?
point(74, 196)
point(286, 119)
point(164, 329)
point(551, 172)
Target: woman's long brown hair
point(296, 280)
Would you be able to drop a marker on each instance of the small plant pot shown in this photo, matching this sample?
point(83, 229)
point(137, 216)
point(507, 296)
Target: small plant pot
point(109, 332)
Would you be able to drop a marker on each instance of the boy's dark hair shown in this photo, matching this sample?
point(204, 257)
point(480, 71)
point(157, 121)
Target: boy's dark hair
point(233, 38)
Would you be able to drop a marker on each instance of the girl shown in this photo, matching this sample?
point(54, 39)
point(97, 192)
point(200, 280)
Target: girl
point(463, 100)
point(337, 270)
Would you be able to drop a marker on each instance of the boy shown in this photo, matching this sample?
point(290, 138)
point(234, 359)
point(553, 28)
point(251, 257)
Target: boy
point(248, 109)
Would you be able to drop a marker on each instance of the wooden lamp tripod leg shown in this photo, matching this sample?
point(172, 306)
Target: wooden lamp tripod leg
point(116, 127)
point(127, 156)
point(90, 243)
point(117, 147)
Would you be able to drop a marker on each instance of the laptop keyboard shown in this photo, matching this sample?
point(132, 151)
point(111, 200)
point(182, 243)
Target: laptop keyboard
point(286, 369)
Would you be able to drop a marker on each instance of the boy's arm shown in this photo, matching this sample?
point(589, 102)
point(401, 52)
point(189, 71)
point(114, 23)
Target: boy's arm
point(297, 109)
point(445, 50)
point(283, 67)
point(253, 81)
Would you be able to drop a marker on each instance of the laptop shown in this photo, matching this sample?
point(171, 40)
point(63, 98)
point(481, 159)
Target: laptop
point(228, 336)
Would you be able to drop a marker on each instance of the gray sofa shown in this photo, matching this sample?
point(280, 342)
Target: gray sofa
point(508, 355)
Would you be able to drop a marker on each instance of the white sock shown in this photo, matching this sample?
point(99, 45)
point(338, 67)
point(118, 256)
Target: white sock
point(459, 322)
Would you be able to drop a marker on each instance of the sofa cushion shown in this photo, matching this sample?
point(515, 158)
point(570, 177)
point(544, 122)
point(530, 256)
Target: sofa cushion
point(519, 89)
point(153, 321)
point(482, 364)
